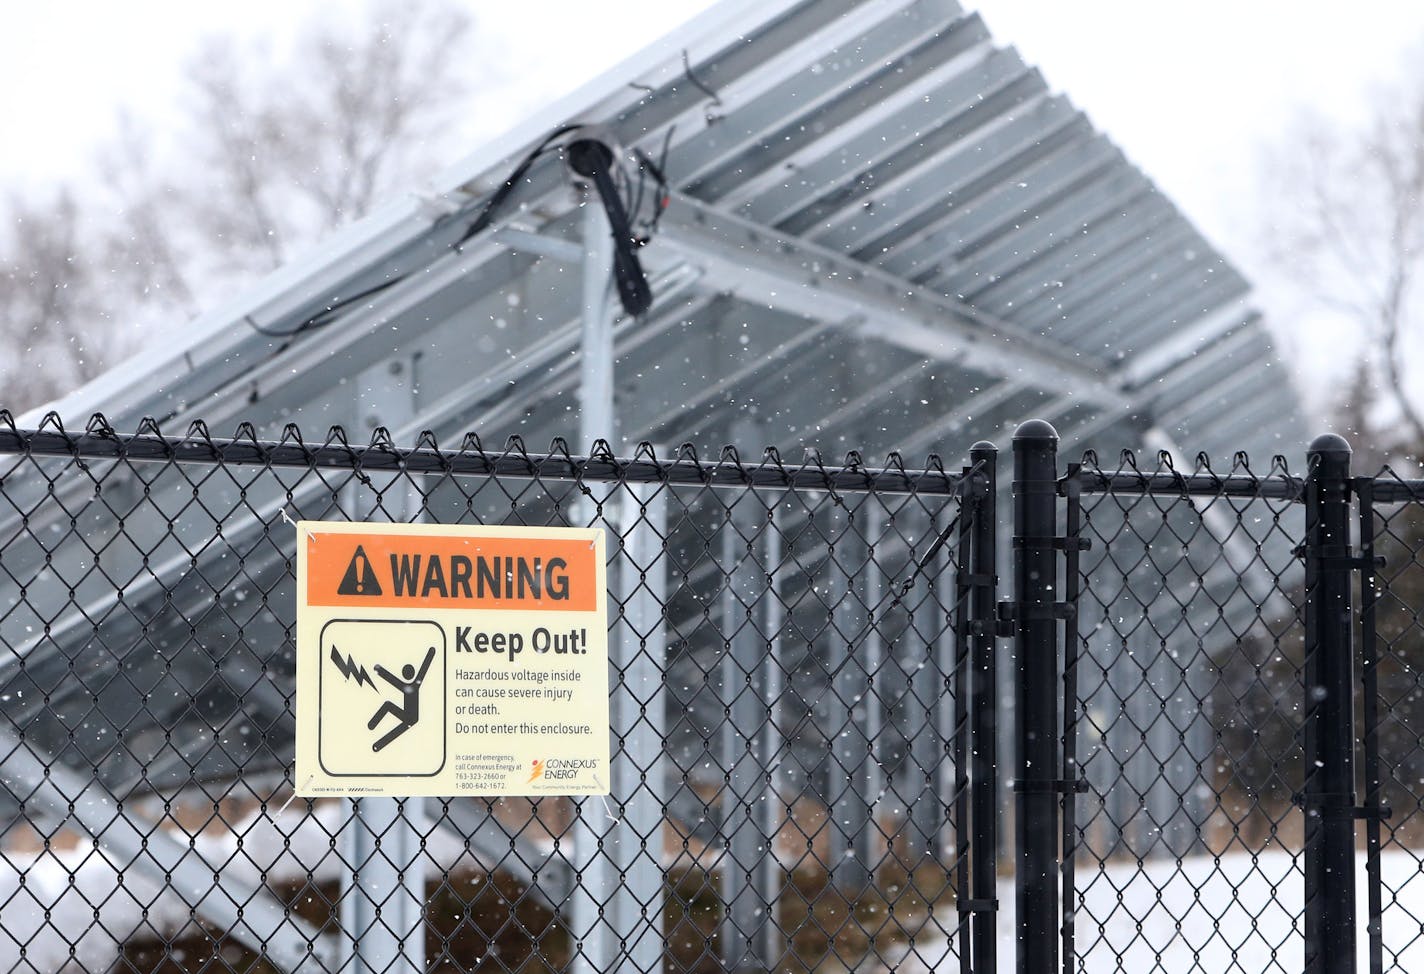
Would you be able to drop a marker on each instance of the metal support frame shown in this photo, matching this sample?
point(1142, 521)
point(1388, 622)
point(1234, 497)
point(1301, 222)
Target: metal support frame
point(383, 862)
point(849, 815)
point(638, 715)
point(596, 886)
point(596, 416)
point(928, 661)
point(1036, 692)
point(818, 282)
point(743, 666)
point(773, 812)
point(1329, 794)
point(872, 841)
point(616, 912)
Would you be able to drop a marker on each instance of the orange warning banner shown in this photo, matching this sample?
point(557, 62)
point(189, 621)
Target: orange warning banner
point(450, 572)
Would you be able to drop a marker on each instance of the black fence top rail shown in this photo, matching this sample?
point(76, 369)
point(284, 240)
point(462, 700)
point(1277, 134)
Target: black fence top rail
point(100, 441)
point(1388, 488)
point(1278, 483)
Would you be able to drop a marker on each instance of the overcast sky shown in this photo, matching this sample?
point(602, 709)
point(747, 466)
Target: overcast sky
point(1193, 92)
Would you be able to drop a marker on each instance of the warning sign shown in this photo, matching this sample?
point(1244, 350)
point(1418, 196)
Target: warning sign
point(449, 660)
point(359, 578)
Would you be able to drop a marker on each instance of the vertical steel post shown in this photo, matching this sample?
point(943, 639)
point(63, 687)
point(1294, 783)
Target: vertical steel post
point(871, 844)
point(773, 811)
point(1330, 714)
point(923, 651)
point(596, 409)
point(382, 909)
point(594, 880)
point(741, 667)
point(983, 697)
point(383, 869)
point(849, 815)
point(638, 711)
point(1036, 696)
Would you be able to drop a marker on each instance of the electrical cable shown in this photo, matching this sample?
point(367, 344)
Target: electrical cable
point(486, 215)
point(593, 160)
point(699, 84)
point(597, 161)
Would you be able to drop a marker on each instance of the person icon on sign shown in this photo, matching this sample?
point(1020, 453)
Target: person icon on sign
point(407, 712)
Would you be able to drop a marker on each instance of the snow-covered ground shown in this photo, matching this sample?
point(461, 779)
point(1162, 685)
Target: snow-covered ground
point(95, 905)
point(1239, 914)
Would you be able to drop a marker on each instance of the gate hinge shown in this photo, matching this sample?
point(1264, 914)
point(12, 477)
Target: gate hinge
point(1055, 786)
point(998, 627)
point(1056, 544)
point(1010, 612)
point(1346, 563)
point(1333, 809)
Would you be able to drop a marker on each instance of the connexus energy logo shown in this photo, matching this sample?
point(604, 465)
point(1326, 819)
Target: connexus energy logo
point(537, 771)
point(566, 769)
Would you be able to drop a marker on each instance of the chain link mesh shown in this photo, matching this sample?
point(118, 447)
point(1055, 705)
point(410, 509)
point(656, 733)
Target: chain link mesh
point(1184, 717)
point(1391, 705)
point(788, 717)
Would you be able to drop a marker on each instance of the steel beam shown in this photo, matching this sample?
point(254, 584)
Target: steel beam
point(1007, 122)
point(1019, 196)
point(699, 158)
point(1190, 338)
point(869, 139)
point(821, 284)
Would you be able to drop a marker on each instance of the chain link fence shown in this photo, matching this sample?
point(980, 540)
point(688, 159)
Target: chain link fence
point(790, 717)
point(1212, 745)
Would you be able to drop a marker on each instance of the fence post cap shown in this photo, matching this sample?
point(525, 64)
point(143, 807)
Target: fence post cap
point(1330, 443)
point(1036, 429)
point(983, 446)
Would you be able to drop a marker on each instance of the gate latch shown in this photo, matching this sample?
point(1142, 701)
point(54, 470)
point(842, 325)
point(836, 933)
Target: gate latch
point(1011, 612)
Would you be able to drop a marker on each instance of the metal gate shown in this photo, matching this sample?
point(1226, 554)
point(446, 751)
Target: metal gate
point(803, 686)
point(810, 669)
point(1189, 793)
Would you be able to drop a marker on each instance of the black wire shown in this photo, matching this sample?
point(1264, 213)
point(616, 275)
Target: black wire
point(331, 312)
point(658, 171)
point(500, 195)
point(687, 69)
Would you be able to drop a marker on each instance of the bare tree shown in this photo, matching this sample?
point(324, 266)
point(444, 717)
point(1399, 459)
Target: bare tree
point(49, 302)
point(276, 151)
point(1349, 227)
point(283, 152)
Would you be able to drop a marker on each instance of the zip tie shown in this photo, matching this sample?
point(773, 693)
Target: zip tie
point(286, 518)
point(293, 794)
point(607, 808)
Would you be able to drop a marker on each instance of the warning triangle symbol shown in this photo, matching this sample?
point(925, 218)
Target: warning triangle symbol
point(359, 578)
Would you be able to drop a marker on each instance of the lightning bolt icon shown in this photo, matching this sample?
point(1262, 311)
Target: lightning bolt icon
point(350, 669)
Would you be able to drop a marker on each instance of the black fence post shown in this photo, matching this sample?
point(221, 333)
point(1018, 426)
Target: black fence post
point(1329, 797)
point(984, 696)
point(1036, 696)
